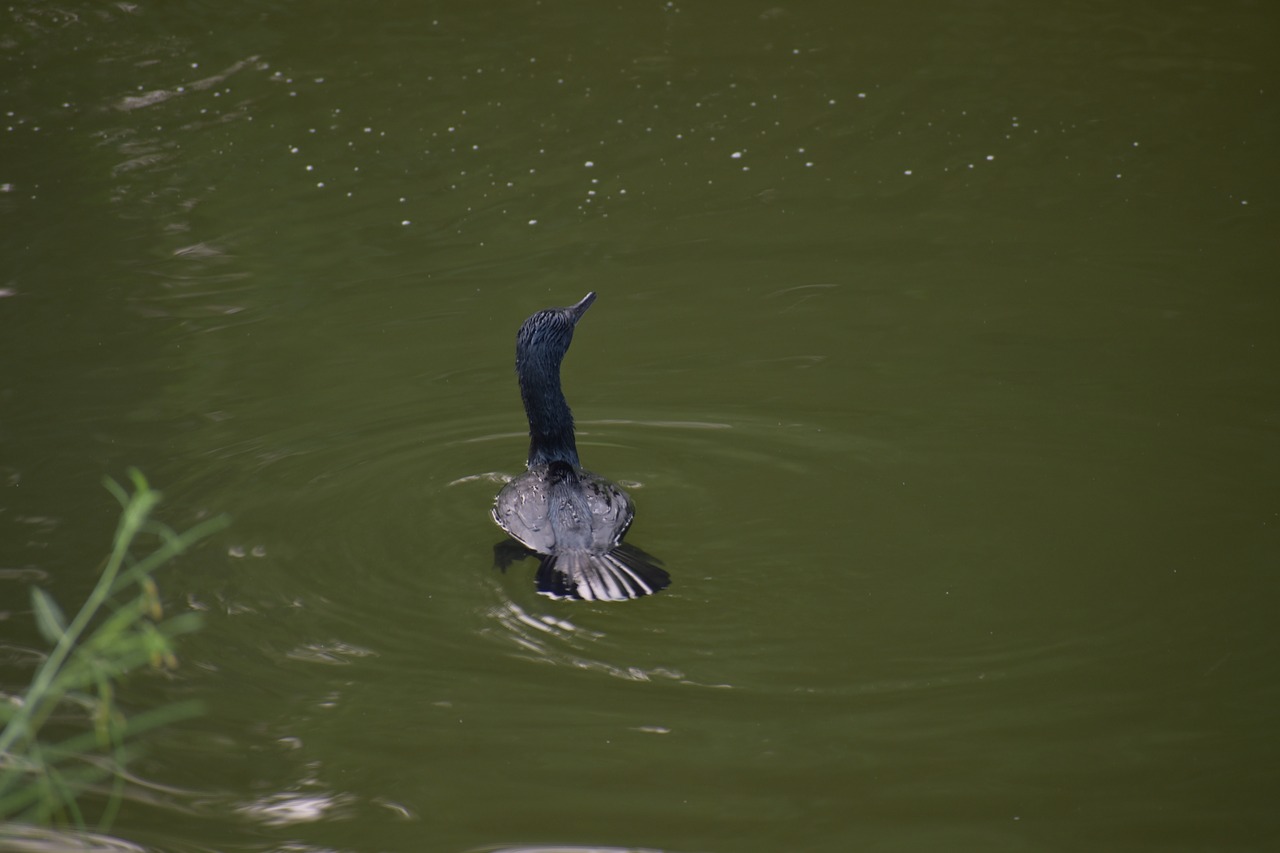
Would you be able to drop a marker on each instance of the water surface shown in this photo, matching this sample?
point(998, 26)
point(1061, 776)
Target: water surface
point(936, 345)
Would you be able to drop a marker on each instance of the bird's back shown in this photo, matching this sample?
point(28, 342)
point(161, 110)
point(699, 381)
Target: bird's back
point(556, 508)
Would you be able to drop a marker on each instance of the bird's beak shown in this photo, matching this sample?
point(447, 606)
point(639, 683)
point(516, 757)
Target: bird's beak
point(581, 308)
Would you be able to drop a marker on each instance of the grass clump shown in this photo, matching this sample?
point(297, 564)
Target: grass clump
point(120, 627)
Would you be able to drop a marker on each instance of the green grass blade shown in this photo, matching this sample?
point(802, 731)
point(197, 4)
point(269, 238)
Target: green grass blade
point(49, 619)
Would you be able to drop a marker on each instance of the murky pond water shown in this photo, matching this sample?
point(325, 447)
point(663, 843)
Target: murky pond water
point(936, 345)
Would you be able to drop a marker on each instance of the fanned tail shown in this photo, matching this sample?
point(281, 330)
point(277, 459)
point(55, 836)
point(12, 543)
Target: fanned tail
point(621, 574)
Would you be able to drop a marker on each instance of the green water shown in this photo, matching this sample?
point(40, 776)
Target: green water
point(936, 343)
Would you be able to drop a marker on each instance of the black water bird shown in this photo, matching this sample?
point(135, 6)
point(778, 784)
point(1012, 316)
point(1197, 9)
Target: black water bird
point(573, 519)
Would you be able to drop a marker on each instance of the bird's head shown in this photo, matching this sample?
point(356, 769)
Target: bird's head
point(545, 337)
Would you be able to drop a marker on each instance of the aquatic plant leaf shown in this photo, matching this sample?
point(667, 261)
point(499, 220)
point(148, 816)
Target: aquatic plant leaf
point(49, 619)
point(119, 628)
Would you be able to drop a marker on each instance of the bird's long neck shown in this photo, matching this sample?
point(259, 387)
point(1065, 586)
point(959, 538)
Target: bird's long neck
point(550, 420)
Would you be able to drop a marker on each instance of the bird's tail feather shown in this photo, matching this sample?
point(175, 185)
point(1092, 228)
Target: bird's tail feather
point(623, 573)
